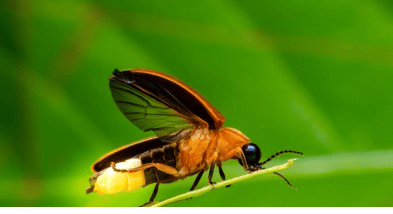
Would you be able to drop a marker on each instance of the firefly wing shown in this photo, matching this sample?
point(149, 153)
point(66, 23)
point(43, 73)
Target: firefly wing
point(156, 102)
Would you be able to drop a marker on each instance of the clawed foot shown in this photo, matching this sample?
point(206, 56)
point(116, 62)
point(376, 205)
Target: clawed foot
point(212, 183)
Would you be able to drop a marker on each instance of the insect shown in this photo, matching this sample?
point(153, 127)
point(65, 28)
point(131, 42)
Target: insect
point(190, 137)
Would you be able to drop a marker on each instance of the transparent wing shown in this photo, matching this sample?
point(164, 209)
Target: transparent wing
point(151, 107)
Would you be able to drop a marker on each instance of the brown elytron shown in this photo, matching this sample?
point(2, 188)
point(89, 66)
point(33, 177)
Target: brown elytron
point(190, 137)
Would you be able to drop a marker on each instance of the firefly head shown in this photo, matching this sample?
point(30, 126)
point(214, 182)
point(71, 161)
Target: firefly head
point(252, 155)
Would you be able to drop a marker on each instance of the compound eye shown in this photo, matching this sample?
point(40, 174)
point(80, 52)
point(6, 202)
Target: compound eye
point(252, 153)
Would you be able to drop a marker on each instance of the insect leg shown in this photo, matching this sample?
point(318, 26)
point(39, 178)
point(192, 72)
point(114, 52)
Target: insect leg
point(238, 153)
point(211, 171)
point(197, 180)
point(222, 175)
point(242, 157)
point(159, 166)
point(153, 196)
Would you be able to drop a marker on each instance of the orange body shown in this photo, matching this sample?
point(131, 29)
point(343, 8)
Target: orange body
point(206, 147)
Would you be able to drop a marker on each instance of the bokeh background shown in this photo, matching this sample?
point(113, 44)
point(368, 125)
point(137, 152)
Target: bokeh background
point(313, 76)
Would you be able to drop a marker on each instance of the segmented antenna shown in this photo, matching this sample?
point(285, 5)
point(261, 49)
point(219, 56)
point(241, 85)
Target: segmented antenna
point(278, 154)
point(286, 180)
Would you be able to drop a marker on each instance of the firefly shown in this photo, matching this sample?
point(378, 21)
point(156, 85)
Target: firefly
point(190, 136)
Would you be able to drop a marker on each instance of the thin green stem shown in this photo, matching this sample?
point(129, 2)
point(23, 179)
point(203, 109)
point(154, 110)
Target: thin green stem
point(208, 188)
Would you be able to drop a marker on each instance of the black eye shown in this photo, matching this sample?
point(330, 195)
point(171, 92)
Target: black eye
point(252, 153)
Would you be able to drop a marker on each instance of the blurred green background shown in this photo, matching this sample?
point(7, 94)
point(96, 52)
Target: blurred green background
point(313, 76)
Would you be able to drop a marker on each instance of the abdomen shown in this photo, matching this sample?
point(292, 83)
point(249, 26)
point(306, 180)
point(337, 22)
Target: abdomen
point(167, 155)
point(108, 181)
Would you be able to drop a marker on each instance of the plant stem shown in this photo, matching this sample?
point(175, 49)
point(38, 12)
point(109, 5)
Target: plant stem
point(224, 183)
